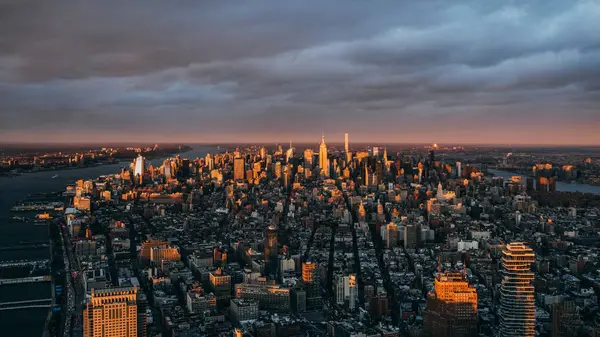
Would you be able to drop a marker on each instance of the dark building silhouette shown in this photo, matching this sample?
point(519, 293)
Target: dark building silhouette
point(565, 319)
point(271, 245)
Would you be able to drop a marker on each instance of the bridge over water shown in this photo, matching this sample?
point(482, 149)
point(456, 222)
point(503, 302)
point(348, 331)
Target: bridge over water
point(31, 279)
point(23, 263)
point(37, 303)
point(26, 246)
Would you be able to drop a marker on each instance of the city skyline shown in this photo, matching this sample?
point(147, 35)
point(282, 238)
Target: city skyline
point(212, 239)
point(391, 72)
point(300, 168)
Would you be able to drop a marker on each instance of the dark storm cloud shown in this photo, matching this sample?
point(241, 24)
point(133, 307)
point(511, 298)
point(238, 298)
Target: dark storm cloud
point(265, 68)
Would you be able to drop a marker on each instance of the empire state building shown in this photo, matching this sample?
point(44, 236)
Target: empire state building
point(323, 160)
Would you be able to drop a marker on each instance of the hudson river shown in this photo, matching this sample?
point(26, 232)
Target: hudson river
point(30, 322)
point(560, 186)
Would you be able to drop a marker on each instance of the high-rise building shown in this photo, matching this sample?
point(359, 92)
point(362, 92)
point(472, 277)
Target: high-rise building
point(346, 290)
point(342, 287)
point(346, 148)
point(263, 152)
point(139, 168)
point(111, 312)
point(379, 303)
point(185, 168)
point(310, 277)
point(298, 302)
point(308, 159)
point(452, 309)
point(289, 154)
point(517, 307)
point(271, 251)
point(410, 236)
point(277, 170)
point(323, 157)
point(458, 169)
point(367, 176)
point(353, 292)
point(239, 168)
point(220, 285)
point(167, 169)
point(209, 162)
point(565, 319)
point(391, 235)
point(142, 305)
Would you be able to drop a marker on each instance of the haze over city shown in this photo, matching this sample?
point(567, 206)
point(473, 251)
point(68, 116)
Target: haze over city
point(267, 71)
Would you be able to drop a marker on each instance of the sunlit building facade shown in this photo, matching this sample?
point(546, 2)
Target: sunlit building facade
point(310, 277)
point(517, 307)
point(164, 253)
point(139, 168)
point(269, 297)
point(323, 157)
point(111, 313)
point(239, 168)
point(452, 310)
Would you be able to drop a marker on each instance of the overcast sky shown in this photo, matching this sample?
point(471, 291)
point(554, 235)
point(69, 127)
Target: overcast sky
point(233, 71)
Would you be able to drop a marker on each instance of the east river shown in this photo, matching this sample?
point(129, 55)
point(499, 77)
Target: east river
point(560, 186)
point(30, 322)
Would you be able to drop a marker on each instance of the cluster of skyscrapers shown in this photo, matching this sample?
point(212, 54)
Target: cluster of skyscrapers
point(452, 306)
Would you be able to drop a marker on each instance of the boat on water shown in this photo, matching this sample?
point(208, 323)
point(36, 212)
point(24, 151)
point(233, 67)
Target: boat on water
point(55, 176)
point(42, 219)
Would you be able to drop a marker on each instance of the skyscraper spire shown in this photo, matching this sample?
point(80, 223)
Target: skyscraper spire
point(323, 157)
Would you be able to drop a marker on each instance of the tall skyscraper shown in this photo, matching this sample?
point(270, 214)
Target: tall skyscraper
point(185, 168)
point(209, 162)
point(139, 168)
point(353, 292)
point(310, 277)
point(239, 168)
point(142, 320)
point(271, 253)
point(308, 159)
point(452, 310)
point(323, 159)
point(289, 154)
point(391, 239)
point(346, 148)
point(346, 290)
point(410, 236)
point(111, 312)
point(166, 167)
point(517, 307)
point(263, 152)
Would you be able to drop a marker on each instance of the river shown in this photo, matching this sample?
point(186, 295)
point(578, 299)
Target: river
point(30, 322)
point(560, 186)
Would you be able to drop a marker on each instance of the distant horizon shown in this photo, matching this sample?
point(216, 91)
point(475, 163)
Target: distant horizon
point(283, 143)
